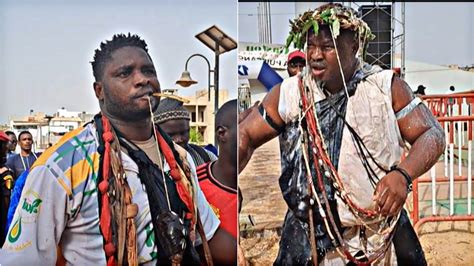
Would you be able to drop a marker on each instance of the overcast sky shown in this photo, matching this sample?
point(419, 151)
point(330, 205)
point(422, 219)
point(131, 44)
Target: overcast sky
point(436, 33)
point(46, 47)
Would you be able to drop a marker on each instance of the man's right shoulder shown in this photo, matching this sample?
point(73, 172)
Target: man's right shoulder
point(288, 102)
point(12, 158)
point(290, 82)
point(80, 140)
point(73, 159)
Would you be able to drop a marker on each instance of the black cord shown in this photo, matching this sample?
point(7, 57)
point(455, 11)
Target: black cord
point(405, 175)
point(362, 150)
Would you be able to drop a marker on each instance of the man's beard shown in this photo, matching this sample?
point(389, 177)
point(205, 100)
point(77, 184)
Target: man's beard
point(321, 84)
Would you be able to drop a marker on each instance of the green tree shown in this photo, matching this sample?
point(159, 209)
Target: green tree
point(195, 136)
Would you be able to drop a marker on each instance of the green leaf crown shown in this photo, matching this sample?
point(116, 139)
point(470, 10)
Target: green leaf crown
point(335, 16)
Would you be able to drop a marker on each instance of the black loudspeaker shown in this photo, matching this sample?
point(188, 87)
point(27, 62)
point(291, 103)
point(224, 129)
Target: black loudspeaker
point(379, 19)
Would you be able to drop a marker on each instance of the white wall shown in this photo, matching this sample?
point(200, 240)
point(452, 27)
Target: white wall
point(436, 78)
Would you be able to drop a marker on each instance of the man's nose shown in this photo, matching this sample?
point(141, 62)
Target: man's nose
point(317, 54)
point(141, 79)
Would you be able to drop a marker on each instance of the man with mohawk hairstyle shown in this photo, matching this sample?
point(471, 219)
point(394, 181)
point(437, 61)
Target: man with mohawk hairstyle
point(342, 125)
point(117, 191)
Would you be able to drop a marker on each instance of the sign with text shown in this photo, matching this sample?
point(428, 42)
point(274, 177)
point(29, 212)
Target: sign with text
point(273, 54)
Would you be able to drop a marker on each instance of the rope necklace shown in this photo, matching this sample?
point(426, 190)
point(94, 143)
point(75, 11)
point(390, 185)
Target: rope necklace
point(112, 179)
point(159, 154)
point(27, 161)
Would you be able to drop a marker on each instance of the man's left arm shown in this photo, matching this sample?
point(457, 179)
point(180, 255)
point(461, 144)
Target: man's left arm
point(424, 133)
point(223, 245)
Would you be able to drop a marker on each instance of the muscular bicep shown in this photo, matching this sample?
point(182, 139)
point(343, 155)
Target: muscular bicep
point(415, 122)
point(255, 130)
point(259, 129)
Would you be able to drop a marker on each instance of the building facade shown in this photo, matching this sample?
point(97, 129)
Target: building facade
point(203, 114)
point(47, 129)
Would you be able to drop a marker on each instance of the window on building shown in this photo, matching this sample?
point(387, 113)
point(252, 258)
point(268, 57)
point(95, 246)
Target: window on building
point(202, 117)
point(193, 117)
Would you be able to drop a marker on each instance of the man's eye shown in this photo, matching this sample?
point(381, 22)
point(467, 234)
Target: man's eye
point(124, 74)
point(149, 71)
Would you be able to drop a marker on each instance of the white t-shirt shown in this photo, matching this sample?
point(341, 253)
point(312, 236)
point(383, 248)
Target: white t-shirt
point(59, 206)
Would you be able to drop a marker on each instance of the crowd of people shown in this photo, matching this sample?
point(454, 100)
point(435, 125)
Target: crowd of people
point(127, 187)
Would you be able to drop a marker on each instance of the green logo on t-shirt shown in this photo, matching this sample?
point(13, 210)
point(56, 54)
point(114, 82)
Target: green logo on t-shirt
point(15, 232)
point(33, 207)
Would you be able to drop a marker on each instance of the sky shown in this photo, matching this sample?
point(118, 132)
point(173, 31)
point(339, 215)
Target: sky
point(46, 48)
point(436, 33)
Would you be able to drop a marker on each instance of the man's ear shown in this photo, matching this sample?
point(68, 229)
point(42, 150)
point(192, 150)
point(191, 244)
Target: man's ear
point(99, 90)
point(221, 133)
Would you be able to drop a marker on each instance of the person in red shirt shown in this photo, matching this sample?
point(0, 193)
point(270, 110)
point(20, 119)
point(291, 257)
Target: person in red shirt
point(218, 179)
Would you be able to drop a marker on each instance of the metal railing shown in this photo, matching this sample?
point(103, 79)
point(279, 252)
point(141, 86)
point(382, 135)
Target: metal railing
point(454, 112)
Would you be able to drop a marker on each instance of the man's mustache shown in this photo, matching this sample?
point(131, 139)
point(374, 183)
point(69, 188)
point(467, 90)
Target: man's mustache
point(318, 65)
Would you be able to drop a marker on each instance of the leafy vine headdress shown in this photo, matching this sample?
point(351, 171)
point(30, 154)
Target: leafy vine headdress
point(337, 17)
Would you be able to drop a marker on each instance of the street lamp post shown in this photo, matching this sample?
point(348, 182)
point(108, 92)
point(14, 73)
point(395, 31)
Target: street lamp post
point(186, 80)
point(216, 40)
point(216, 82)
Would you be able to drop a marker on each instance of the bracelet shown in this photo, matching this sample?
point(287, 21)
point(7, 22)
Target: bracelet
point(405, 175)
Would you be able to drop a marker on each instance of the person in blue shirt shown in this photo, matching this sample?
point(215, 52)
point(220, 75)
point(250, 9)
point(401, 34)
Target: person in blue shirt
point(23, 161)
